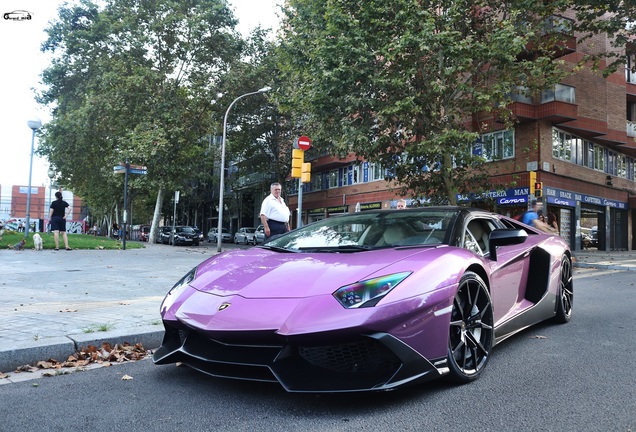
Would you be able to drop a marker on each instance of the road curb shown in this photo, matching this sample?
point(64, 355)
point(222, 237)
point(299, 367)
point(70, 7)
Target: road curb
point(60, 348)
point(603, 266)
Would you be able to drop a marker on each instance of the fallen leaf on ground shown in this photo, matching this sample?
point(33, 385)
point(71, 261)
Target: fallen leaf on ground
point(69, 310)
point(126, 378)
point(538, 337)
point(104, 355)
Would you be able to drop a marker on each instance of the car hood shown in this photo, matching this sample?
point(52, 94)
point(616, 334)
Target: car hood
point(261, 273)
point(258, 289)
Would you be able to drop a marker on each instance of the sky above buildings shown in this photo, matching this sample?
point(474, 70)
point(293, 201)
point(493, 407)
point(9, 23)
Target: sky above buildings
point(23, 62)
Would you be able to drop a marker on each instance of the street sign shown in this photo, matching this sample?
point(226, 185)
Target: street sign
point(132, 169)
point(303, 143)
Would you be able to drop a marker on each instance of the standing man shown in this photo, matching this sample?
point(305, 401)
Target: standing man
point(274, 212)
point(58, 213)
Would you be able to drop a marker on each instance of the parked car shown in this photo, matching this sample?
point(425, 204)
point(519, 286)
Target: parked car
point(259, 235)
point(226, 237)
point(163, 235)
point(594, 237)
point(199, 234)
point(245, 235)
point(369, 301)
point(183, 235)
point(144, 233)
point(586, 240)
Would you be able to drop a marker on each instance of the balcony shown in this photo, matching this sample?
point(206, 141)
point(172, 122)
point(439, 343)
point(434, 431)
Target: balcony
point(556, 31)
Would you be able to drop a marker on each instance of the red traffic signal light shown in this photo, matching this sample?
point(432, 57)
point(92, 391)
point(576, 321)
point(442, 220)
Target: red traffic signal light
point(538, 189)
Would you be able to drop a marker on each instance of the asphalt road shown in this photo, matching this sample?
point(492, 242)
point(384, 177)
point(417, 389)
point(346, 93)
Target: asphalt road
point(573, 377)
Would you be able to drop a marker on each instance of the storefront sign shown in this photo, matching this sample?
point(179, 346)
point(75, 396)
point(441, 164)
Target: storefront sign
point(568, 199)
point(514, 196)
point(371, 206)
point(338, 209)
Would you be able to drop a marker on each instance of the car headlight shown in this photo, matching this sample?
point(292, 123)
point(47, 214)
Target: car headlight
point(369, 292)
point(184, 281)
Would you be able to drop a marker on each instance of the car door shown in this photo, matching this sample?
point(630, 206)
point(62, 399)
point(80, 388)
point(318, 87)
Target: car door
point(508, 272)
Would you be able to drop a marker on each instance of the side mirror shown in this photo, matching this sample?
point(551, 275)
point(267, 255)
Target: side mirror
point(505, 237)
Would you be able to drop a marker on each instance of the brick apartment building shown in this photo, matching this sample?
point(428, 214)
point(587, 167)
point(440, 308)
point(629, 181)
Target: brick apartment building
point(578, 139)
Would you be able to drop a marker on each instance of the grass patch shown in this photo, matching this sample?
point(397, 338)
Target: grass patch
point(99, 328)
point(75, 241)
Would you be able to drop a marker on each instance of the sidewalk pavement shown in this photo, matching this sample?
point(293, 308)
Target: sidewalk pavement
point(57, 302)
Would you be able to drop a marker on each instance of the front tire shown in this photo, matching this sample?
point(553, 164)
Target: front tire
point(565, 296)
point(471, 331)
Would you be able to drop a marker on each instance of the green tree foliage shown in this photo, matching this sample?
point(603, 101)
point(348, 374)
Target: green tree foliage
point(258, 133)
point(133, 79)
point(402, 82)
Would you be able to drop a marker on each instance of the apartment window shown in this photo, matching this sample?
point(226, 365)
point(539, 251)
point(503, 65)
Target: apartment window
point(333, 179)
point(498, 145)
point(316, 181)
point(357, 174)
point(344, 177)
point(599, 157)
point(375, 172)
point(631, 111)
point(621, 166)
point(560, 93)
point(612, 163)
point(630, 69)
point(568, 147)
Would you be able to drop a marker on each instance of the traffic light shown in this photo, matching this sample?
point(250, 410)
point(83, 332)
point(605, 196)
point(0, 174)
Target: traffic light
point(533, 181)
point(305, 175)
point(538, 189)
point(298, 158)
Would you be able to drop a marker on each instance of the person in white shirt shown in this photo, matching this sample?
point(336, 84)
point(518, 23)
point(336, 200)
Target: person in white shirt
point(274, 212)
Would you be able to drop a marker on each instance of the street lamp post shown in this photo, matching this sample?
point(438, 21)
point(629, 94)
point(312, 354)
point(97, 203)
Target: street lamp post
point(222, 179)
point(51, 174)
point(34, 124)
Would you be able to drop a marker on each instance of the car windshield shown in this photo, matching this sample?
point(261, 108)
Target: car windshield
point(184, 230)
point(250, 230)
point(370, 230)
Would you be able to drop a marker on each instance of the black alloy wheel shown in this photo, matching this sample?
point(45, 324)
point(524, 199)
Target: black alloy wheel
point(565, 295)
point(471, 330)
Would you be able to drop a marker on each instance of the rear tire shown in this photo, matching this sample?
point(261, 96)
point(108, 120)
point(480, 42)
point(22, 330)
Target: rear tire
point(471, 332)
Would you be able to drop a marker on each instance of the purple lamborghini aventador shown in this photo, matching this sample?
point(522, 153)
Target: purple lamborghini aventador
point(372, 300)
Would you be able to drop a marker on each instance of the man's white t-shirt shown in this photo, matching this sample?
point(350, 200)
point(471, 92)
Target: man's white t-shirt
point(275, 210)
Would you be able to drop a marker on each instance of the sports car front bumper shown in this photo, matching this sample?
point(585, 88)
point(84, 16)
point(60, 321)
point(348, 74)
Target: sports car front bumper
point(370, 362)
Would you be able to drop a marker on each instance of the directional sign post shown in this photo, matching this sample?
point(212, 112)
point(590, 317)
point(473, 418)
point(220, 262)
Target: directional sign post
point(128, 169)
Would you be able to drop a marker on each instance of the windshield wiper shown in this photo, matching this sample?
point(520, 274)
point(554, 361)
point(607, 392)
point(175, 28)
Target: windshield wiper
point(341, 248)
point(277, 249)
